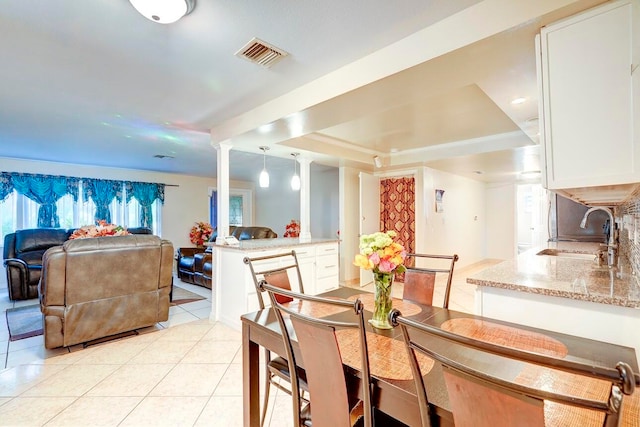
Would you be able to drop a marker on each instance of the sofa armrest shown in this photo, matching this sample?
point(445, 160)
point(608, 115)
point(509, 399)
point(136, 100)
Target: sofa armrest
point(166, 265)
point(200, 259)
point(189, 251)
point(17, 272)
point(52, 286)
point(18, 264)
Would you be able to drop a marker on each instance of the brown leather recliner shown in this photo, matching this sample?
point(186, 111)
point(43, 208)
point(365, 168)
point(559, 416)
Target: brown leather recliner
point(94, 288)
point(195, 265)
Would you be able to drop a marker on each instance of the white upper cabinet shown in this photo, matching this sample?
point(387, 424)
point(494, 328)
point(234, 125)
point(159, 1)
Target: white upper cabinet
point(587, 77)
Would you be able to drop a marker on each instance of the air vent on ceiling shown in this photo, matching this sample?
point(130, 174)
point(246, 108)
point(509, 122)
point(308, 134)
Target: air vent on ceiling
point(261, 53)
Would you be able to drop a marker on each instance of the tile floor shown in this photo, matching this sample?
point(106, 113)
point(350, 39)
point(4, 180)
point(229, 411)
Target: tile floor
point(186, 371)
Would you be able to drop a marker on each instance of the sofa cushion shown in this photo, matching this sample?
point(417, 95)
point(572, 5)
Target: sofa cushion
point(38, 239)
point(248, 233)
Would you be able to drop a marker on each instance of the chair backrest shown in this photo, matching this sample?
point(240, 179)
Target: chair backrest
point(278, 270)
point(320, 352)
point(419, 281)
point(480, 399)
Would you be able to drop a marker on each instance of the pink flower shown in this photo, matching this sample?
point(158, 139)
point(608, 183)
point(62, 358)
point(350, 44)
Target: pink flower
point(374, 258)
point(385, 266)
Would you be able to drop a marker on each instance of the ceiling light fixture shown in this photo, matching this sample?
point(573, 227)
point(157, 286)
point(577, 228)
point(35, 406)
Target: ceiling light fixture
point(264, 175)
point(518, 101)
point(163, 11)
point(295, 179)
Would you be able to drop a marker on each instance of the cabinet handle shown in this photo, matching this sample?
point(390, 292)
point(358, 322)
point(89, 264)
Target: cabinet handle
point(329, 266)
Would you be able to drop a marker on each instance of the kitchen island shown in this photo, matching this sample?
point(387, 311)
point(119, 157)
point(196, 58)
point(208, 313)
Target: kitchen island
point(564, 289)
point(234, 292)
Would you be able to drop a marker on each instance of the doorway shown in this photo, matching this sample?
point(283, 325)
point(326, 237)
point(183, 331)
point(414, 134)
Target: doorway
point(532, 204)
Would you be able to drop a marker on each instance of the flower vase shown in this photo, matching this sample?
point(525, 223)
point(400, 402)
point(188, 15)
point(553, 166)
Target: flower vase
point(383, 302)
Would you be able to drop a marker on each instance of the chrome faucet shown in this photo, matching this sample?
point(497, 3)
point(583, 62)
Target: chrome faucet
point(611, 245)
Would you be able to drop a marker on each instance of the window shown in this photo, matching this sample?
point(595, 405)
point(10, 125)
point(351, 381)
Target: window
point(240, 208)
point(19, 212)
point(235, 210)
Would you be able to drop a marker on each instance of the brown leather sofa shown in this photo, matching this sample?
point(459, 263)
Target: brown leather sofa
point(22, 253)
point(95, 288)
point(195, 264)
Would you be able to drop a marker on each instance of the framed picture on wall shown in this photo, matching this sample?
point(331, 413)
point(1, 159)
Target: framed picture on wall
point(439, 205)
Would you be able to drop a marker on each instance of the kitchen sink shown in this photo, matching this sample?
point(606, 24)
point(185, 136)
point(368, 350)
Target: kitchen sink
point(564, 254)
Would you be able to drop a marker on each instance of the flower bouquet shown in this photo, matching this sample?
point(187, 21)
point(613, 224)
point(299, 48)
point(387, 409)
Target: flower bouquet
point(292, 229)
point(384, 257)
point(200, 233)
point(101, 229)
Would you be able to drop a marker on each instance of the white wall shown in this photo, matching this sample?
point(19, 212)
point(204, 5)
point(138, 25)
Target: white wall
point(460, 228)
point(501, 221)
point(349, 222)
point(325, 204)
point(277, 205)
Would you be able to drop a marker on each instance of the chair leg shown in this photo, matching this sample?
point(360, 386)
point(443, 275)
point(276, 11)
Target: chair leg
point(265, 402)
point(267, 388)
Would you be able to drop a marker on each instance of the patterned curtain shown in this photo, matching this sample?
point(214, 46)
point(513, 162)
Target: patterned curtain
point(398, 211)
point(46, 190)
point(146, 193)
point(102, 192)
point(6, 185)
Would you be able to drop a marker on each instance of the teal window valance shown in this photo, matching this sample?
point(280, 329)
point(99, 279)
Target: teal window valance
point(145, 193)
point(102, 192)
point(6, 185)
point(45, 190)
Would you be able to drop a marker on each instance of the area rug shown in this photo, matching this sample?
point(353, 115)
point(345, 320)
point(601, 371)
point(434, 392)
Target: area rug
point(24, 322)
point(183, 296)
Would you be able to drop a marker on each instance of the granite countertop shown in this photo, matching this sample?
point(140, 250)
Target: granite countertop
point(569, 275)
point(261, 244)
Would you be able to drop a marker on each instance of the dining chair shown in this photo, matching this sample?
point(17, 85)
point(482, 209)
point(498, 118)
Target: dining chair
point(480, 399)
point(331, 403)
point(276, 270)
point(419, 281)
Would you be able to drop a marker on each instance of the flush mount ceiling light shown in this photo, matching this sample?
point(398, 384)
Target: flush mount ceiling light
point(163, 11)
point(295, 179)
point(377, 161)
point(517, 101)
point(264, 175)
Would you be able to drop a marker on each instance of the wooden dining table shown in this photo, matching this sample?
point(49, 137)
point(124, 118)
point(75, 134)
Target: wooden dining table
point(394, 390)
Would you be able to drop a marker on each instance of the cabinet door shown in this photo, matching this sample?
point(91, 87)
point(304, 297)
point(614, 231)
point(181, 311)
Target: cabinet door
point(327, 272)
point(586, 64)
point(307, 262)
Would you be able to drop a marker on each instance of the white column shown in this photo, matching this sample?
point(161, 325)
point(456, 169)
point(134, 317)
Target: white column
point(305, 198)
point(222, 163)
point(223, 149)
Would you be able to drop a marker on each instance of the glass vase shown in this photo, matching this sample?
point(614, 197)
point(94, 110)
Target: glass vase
point(383, 303)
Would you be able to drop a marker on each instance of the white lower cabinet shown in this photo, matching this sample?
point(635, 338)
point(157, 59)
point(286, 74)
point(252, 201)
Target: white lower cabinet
point(235, 293)
point(327, 268)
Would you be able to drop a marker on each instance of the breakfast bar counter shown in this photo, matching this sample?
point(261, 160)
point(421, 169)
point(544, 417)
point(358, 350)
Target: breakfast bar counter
point(561, 287)
point(234, 291)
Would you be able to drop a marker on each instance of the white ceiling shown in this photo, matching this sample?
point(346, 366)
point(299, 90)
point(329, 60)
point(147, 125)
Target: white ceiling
point(94, 82)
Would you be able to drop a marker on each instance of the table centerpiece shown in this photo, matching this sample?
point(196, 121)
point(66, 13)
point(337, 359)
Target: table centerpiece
point(384, 257)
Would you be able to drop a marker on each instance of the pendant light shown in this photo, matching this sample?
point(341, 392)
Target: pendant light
point(163, 11)
point(264, 175)
point(295, 179)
